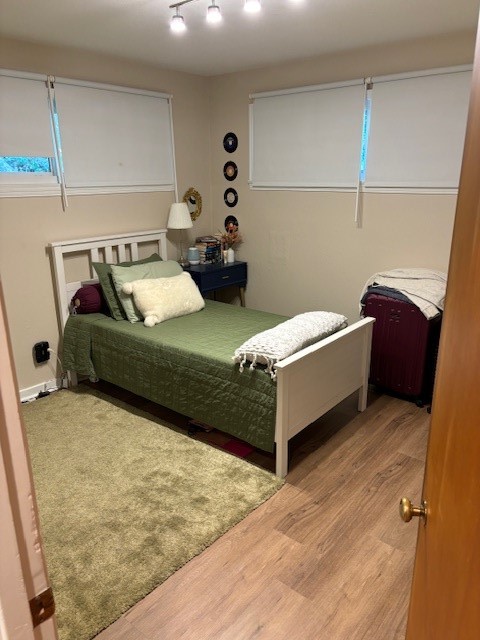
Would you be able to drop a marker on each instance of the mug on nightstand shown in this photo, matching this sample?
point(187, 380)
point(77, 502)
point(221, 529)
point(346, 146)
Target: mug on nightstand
point(193, 255)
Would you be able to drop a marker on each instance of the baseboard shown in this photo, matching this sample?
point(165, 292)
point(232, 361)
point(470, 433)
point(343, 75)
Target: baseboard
point(31, 393)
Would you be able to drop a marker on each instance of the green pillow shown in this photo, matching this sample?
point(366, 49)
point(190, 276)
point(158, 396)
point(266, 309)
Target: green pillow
point(104, 273)
point(121, 275)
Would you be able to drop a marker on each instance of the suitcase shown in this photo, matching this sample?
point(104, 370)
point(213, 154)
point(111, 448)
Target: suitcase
point(404, 347)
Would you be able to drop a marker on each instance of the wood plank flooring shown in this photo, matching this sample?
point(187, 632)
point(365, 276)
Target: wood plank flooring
point(326, 558)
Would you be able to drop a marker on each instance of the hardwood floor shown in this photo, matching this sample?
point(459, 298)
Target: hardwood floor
point(326, 558)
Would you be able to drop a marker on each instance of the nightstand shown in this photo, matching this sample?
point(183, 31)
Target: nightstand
point(210, 277)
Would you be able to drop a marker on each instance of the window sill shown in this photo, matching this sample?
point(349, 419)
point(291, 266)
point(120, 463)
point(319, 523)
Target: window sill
point(35, 190)
point(367, 190)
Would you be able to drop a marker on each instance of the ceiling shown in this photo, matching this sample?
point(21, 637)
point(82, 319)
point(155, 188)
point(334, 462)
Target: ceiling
point(285, 30)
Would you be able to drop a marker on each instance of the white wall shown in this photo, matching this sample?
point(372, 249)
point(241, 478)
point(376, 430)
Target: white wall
point(303, 249)
point(27, 225)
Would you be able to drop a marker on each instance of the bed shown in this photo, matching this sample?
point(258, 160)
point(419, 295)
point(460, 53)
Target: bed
point(186, 363)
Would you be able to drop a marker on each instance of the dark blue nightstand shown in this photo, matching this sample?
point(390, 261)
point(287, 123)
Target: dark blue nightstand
point(210, 277)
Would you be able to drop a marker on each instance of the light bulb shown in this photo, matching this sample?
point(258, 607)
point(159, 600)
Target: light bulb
point(252, 6)
point(213, 14)
point(177, 24)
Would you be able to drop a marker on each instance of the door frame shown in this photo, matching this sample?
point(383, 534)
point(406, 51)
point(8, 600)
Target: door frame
point(24, 572)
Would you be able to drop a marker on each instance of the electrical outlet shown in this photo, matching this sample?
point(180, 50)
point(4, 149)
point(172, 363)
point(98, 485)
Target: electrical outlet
point(41, 352)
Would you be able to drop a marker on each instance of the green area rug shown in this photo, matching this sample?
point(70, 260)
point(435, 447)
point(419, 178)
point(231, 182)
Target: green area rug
point(125, 501)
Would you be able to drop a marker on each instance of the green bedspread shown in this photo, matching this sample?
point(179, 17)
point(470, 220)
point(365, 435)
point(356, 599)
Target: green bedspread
point(184, 364)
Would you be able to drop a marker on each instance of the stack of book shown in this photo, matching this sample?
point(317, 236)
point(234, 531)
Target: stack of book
point(209, 248)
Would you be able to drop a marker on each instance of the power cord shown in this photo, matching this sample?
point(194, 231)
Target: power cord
point(63, 374)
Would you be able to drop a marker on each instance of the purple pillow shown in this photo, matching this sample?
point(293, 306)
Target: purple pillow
point(89, 299)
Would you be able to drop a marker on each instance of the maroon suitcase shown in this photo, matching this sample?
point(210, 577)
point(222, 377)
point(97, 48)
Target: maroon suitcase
point(404, 347)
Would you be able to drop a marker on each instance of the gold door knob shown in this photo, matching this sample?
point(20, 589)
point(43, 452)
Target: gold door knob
point(408, 511)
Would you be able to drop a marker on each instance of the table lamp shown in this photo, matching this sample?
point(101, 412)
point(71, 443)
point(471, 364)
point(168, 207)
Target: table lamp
point(179, 218)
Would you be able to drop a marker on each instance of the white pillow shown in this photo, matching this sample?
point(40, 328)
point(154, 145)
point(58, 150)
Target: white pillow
point(159, 299)
point(273, 345)
point(121, 275)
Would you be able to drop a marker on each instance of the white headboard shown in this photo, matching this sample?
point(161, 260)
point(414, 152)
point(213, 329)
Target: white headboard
point(113, 249)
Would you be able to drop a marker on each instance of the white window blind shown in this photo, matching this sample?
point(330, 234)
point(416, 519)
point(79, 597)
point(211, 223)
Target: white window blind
point(417, 129)
point(308, 137)
point(114, 136)
point(25, 128)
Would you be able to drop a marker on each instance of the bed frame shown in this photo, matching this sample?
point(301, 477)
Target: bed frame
point(309, 383)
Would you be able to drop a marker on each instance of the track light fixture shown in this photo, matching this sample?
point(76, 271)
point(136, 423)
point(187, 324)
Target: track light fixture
point(177, 24)
point(214, 16)
point(213, 13)
point(252, 6)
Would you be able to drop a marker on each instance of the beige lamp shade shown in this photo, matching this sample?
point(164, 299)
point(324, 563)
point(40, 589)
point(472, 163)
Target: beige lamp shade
point(179, 216)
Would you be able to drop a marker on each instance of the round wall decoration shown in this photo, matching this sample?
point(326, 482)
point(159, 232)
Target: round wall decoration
point(230, 142)
point(193, 201)
point(231, 224)
point(230, 171)
point(230, 197)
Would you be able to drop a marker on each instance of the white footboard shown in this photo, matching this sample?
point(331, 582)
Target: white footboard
point(317, 378)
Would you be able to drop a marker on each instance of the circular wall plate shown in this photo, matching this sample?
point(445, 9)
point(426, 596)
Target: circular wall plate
point(230, 142)
point(230, 171)
point(230, 197)
point(231, 224)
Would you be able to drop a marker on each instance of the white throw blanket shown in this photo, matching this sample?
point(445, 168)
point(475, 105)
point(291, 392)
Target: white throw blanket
point(424, 287)
point(270, 346)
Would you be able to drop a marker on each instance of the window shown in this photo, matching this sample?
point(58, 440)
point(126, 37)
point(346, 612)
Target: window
point(26, 147)
point(92, 137)
point(114, 138)
point(417, 131)
point(403, 132)
point(307, 138)
point(367, 109)
point(23, 164)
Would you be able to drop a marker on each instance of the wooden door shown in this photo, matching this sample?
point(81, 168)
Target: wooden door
point(445, 598)
point(23, 574)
